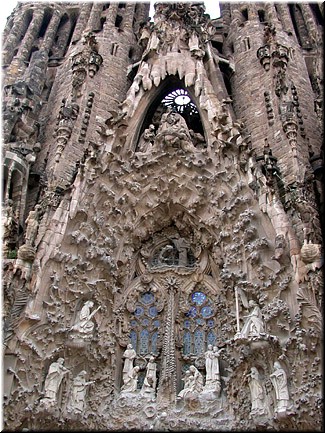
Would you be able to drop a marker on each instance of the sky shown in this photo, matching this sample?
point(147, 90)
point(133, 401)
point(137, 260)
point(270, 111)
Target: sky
point(7, 6)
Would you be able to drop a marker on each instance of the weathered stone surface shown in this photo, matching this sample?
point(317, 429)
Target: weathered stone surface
point(163, 205)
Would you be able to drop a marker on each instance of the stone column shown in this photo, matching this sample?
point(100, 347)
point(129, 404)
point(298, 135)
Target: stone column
point(16, 33)
point(95, 15)
point(285, 18)
point(30, 36)
point(82, 22)
point(51, 31)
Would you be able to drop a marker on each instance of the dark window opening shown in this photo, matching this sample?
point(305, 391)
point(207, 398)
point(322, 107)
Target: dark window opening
point(32, 51)
point(317, 14)
point(46, 21)
point(102, 22)
point(118, 21)
point(261, 15)
point(106, 6)
point(73, 25)
point(121, 5)
point(217, 45)
point(299, 26)
point(226, 74)
point(244, 13)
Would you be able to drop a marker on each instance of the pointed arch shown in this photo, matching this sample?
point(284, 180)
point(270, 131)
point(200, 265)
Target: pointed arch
point(149, 104)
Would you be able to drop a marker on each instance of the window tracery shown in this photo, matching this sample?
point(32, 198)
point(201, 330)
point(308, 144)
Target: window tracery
point(198, 324)
point(145, 325)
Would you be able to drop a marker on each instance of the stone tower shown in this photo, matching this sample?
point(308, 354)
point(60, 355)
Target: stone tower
point(162, 217)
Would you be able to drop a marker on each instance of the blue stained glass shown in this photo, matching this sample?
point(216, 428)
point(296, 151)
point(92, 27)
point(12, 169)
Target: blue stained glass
point(187, 323)
point(145, 322)
point(198, 341)
point(200, 321)
point(191, 312)
point(138, 311)
point(133, 323)
point(144, 341)
point(211, 338)
point(187, 343)
point(153, 311)
point(133, 338)
point(207, 311)
point(154, 340)
point(210, 323)
point(147, 298)
point(198, 298)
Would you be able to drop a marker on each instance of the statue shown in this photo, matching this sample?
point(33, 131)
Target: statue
point(212, 381)
point(257, 392)
point(32, 223)
point(150, 380)
point(9, 224)
point(254, 325)
point(279, 381)
point(208, 365)
point(53, 381)
point(131, 381)
point(193, 382)
point(78, 394)
point(84, 324)
point(129, 355)
point(147, 139)
point(173, 131)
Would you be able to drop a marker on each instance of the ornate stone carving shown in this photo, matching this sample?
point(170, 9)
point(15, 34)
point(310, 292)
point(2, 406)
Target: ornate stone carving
point(67, 115)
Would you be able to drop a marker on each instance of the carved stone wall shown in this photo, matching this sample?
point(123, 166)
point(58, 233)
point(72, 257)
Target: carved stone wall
point(162, 214)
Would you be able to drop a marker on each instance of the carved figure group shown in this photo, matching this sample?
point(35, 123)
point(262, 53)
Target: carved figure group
point(193, 382)
point(173, 131)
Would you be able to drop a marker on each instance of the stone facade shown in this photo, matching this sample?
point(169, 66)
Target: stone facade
point(162, 215)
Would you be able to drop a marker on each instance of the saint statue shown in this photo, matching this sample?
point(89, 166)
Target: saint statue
point(129, 355)
point(150, 380)
point(78, 394)
point(208, 364)
point(84, 325)
point(131, 381)
point(32, 223)
point(254, 325)
point(279, 381)
point(53, 381)
point(257, 392)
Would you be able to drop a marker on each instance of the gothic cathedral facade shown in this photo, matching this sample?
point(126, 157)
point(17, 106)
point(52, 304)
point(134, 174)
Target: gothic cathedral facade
point(162, 217)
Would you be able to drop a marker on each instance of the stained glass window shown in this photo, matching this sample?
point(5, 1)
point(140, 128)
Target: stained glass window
point(179, 100)
point(144, 325)
point(198, 324)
